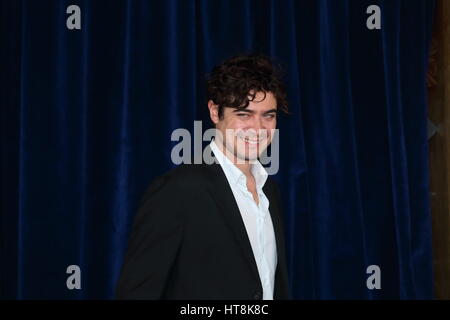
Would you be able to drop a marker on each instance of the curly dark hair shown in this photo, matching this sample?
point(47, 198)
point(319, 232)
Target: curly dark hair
point(235, 82)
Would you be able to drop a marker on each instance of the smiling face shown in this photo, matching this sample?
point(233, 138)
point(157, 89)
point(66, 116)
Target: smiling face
point(246, 133)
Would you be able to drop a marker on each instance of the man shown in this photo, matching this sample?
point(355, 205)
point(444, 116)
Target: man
point(215, 231)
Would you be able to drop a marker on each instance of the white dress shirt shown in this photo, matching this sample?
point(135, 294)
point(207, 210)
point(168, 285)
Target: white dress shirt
point(257, 220)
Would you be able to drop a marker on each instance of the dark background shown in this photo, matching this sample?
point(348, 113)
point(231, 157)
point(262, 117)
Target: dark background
point(86, 118)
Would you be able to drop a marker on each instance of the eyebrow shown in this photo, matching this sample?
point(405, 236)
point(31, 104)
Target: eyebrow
point(252, 111)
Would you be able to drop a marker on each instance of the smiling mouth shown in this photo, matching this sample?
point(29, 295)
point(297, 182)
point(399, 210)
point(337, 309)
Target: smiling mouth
point(251, 140)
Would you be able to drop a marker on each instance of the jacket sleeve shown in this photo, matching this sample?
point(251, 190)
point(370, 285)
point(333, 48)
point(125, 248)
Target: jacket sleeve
point(154, 241)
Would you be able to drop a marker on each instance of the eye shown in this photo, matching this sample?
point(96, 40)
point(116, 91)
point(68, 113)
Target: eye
point(270, 116)
point(242, 115)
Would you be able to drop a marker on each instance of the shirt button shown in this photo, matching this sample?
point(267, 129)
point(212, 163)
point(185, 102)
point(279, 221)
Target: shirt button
point(257, 295)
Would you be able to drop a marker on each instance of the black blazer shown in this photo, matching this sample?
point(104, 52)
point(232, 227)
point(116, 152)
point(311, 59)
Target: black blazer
point(189, 241)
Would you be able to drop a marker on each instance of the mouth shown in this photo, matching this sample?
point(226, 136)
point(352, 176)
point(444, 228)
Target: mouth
point(252, 141)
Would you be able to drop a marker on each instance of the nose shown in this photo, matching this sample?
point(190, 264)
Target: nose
point(256, 127)
point(258, 123)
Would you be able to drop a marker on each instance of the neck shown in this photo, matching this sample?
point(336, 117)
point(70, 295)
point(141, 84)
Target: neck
point(245, 168)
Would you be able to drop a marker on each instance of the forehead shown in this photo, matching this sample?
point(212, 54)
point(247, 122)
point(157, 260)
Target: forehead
point(262, 102)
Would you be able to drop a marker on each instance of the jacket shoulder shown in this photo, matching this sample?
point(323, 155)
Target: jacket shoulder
point(184, 178)
point(187, 175)
point(272, 185)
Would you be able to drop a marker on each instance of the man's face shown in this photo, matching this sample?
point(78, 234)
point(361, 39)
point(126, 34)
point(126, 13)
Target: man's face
point(247, 132)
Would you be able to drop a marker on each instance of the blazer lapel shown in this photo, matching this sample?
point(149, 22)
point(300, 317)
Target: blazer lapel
point(275, 216)
point(222, 194)
point(281, 290)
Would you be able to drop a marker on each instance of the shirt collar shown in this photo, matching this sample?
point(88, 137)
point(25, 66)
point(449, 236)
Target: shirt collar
point(234, 174)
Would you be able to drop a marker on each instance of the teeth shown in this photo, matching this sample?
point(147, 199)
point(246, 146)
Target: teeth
point(252, 141)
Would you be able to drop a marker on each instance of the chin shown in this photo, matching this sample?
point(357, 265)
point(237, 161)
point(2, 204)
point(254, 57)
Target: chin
point(248, 157)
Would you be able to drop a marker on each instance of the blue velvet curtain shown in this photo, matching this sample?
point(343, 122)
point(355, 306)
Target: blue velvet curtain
point(86, 119)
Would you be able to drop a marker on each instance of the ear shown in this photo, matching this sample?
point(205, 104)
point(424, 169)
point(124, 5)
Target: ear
point(213, 111)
